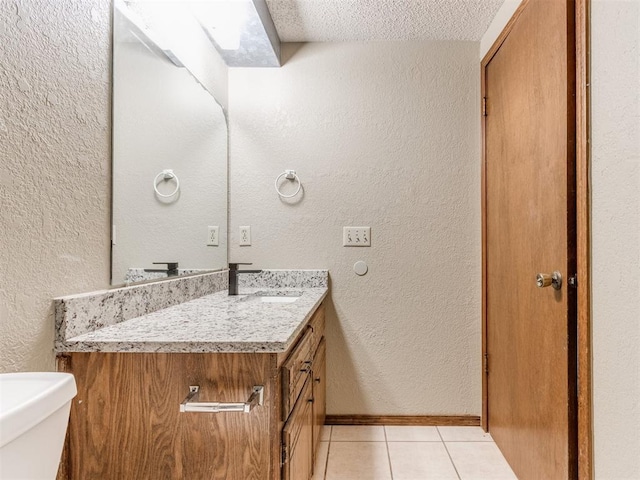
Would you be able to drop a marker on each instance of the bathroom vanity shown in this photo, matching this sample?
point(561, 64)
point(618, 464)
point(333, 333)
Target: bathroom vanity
point(259, 367)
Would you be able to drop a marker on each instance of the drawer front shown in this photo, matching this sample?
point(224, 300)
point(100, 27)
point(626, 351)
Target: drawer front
point(319, 391)
point(126, 411)
point(297, 438)
point(295, 371)
point(316, 325)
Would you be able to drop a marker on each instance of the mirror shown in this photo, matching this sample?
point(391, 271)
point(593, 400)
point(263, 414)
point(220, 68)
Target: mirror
point(169, 154)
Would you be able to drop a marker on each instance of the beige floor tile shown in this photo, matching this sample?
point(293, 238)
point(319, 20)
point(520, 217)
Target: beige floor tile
point(321, 461)
point(358, 461)
point(357, 433)
point(421, 461)
point(479, 461)
point(325, 434)
point(464, 434)
point(412, 434)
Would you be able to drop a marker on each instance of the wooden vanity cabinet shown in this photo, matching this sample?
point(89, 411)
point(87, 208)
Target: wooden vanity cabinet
point(304, 406)
point(125, 421)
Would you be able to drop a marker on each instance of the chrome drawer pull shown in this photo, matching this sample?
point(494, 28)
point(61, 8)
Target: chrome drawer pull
point(191, 404)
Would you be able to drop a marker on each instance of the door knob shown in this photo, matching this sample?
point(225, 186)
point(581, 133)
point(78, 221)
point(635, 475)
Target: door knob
point(544, 280)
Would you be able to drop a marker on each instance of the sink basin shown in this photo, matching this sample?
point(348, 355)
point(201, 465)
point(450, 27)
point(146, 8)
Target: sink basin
point(34, 411)
point(274, 296)
point(276, 299)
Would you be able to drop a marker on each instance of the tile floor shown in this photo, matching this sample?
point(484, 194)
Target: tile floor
point(409, 453)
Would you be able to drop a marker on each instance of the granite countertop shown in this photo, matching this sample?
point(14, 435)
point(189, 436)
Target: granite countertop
point(212, 323)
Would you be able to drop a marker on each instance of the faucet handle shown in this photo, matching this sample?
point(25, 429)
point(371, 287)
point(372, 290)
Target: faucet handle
point(170, 265)
point(234, 266)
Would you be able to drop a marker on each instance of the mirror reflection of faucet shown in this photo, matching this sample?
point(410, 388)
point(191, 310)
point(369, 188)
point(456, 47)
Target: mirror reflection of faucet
point(233, 276)
point(171, 270)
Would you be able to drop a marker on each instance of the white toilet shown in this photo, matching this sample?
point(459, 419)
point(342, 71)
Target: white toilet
point(34, 412)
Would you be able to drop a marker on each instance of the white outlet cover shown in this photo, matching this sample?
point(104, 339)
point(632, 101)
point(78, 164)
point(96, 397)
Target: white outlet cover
point(245, 236)
point(213, 234)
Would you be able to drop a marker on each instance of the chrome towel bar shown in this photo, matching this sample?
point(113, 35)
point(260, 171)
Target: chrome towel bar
point(191, 404)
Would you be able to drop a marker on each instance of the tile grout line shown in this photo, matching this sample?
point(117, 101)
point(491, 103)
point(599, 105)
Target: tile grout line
point(386, 444)
point(326, 462)
point(449, 454)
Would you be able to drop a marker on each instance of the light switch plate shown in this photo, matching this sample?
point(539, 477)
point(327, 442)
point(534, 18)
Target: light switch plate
point(245, 236)
point(356, 236)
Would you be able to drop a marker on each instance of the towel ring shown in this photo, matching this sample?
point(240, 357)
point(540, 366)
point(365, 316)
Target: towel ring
point(289, 175)
point(166, 175)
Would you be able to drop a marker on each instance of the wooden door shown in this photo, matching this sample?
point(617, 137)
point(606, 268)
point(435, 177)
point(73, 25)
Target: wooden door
point(529, 84)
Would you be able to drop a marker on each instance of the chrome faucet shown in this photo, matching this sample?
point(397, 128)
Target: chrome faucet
point(233, 276)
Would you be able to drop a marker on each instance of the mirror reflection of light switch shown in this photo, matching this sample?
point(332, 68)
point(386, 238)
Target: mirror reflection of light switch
point(245, 236)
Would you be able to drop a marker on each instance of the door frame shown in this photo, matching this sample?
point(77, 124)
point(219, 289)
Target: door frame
point(583, 240)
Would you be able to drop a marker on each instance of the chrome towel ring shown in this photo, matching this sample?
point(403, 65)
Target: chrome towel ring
point(166, 175)
point(289, 175)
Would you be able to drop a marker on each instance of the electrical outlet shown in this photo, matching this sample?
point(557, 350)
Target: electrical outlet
point(245, 236)
point(356, 236)
point(212, 236)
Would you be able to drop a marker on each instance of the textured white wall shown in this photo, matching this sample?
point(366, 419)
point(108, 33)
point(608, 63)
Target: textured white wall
point(385, 135)
point(55, 167)
point(187, 40)
point(615, 100)
point(504, 14)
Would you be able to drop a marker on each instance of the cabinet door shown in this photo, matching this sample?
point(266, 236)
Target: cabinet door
point(126, 424)
point(319, 391)
point(298, 438)
point(296, 371)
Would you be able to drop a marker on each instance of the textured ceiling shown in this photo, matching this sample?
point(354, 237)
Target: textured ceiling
point(366, 20)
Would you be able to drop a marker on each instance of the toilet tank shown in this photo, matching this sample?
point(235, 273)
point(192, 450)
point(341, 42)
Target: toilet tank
point(34, 413)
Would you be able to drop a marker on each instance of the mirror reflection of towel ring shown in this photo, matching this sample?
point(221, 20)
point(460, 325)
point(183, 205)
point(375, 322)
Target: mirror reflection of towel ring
point(289, 175)
point(166, 175)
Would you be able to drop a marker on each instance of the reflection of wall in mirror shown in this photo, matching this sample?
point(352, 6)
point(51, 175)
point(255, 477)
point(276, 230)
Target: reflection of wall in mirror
point(163, 119)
